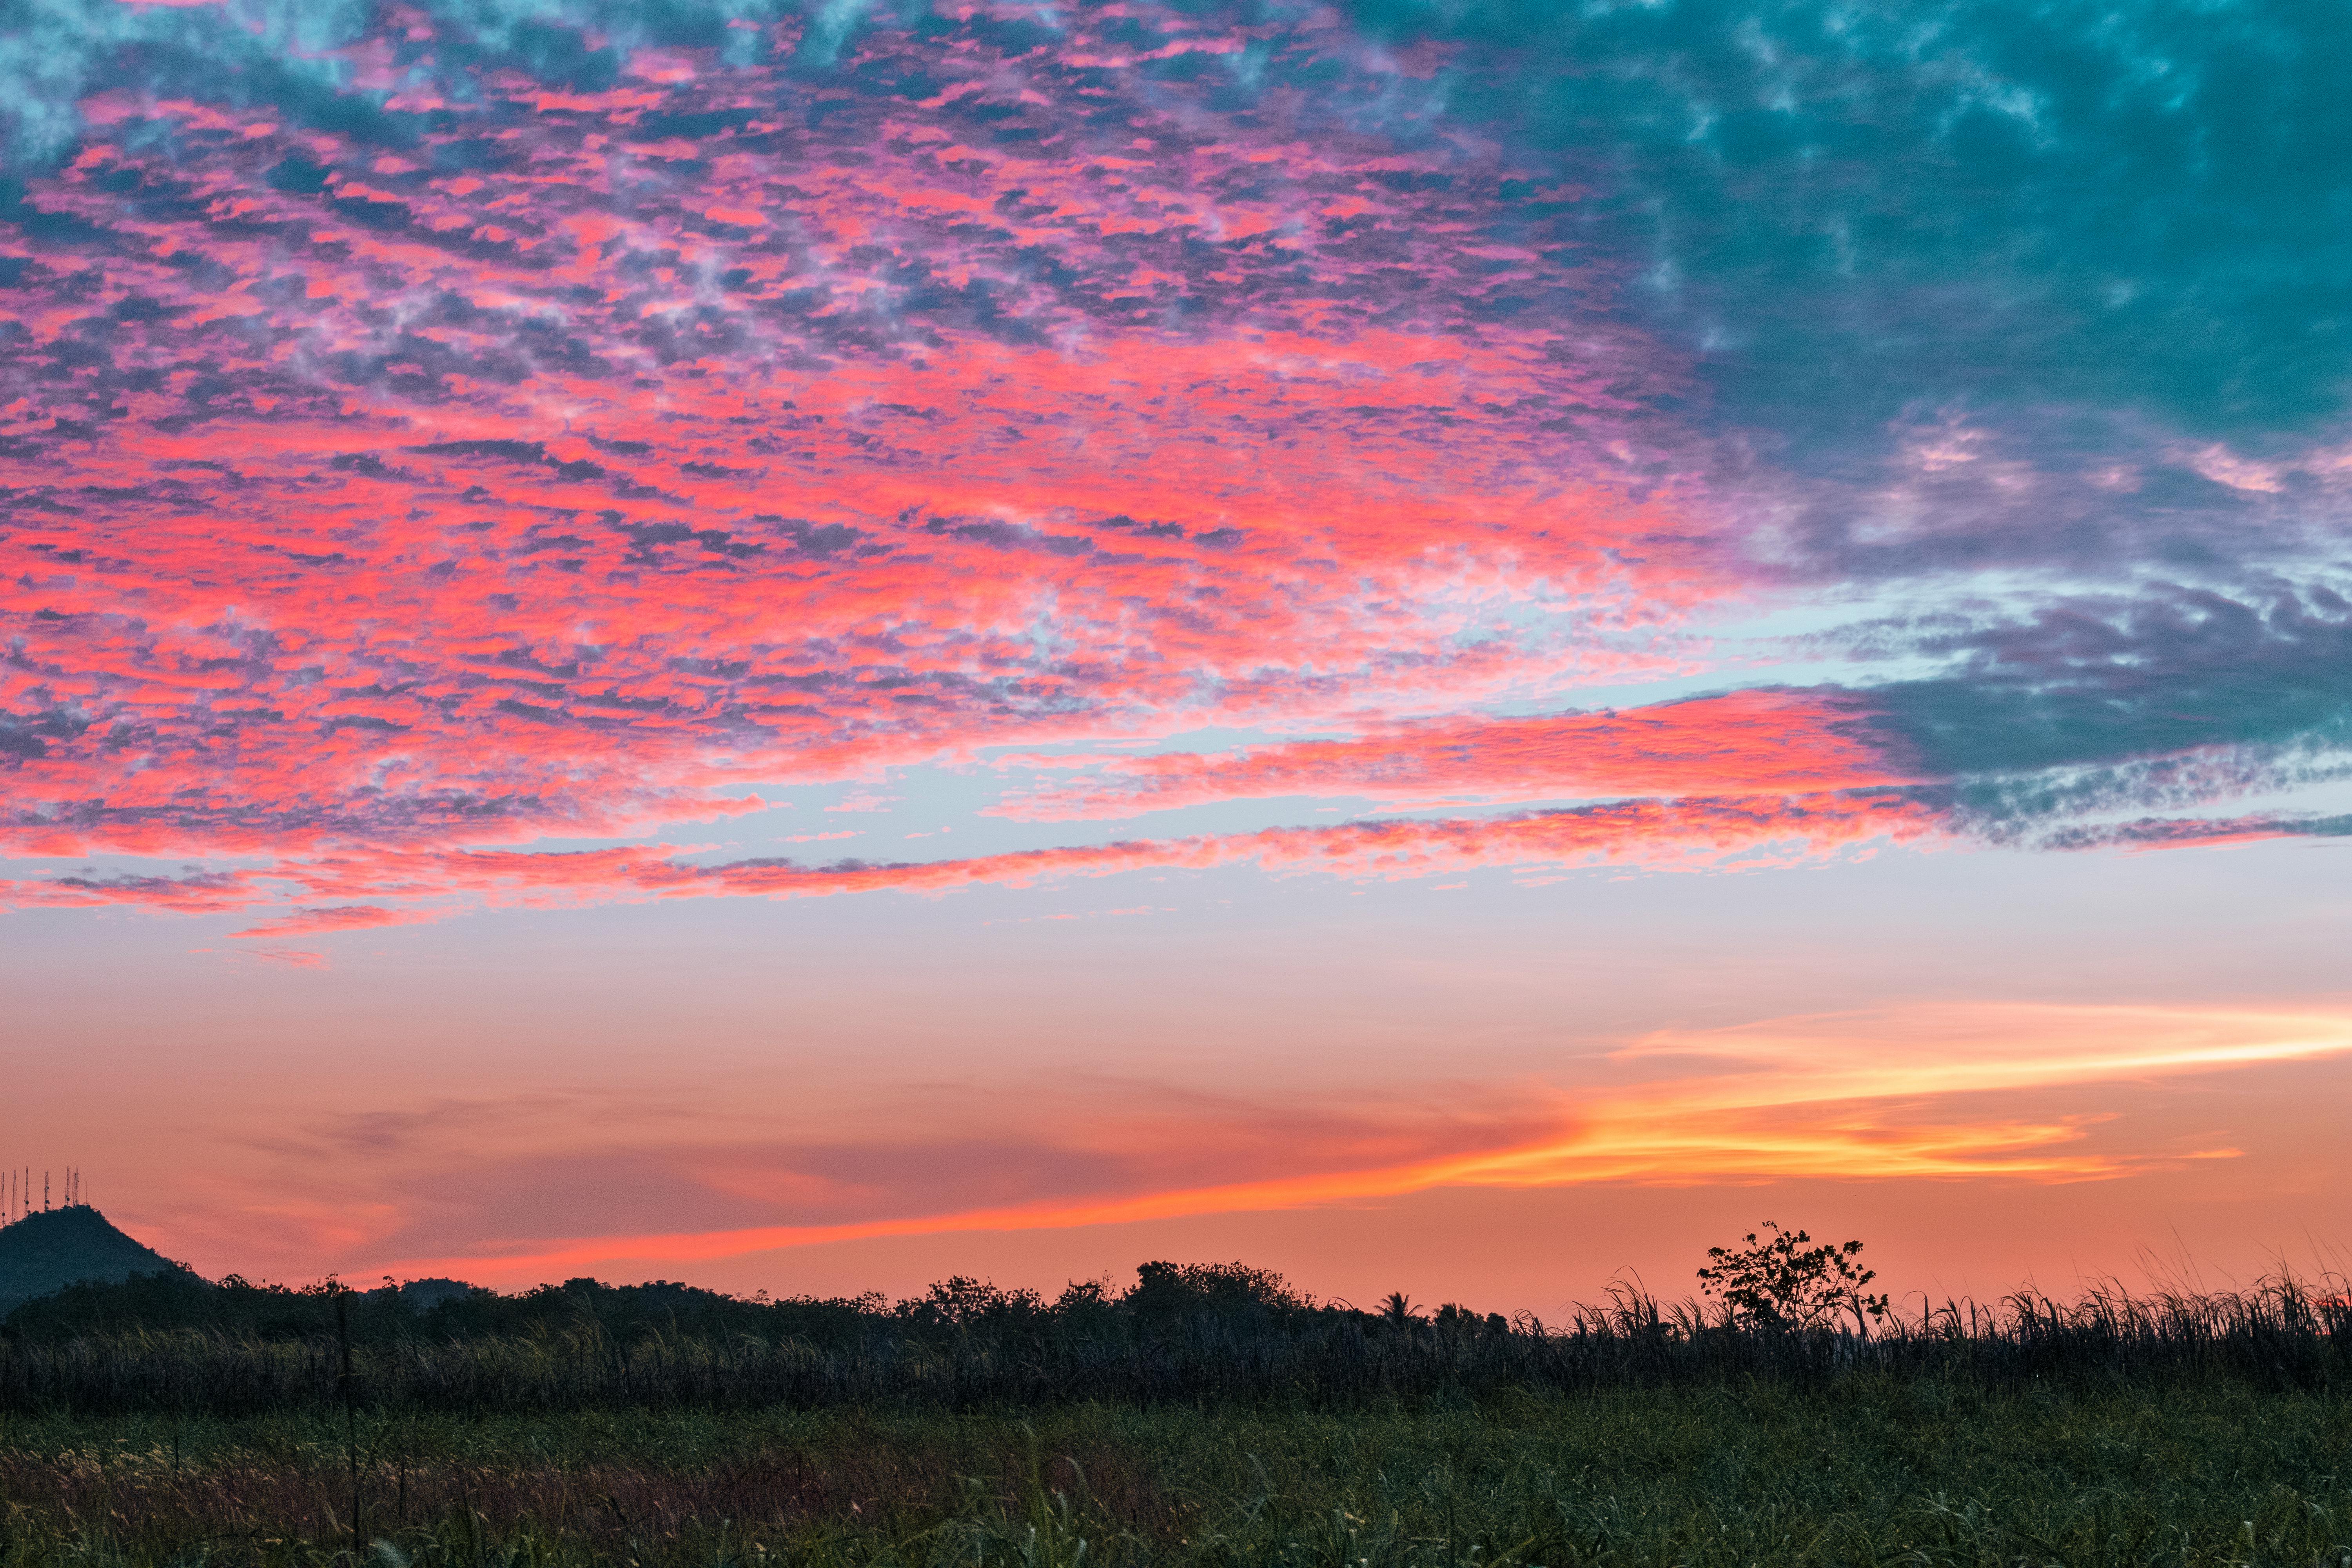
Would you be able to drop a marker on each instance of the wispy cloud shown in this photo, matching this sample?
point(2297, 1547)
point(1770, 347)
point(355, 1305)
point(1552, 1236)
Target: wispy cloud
point(1738, 744)
point(335, 916)
point(1895, 1093)
point(1754, 831)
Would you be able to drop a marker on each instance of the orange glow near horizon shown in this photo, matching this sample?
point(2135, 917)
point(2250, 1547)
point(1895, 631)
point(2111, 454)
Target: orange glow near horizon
point(1834, 1095)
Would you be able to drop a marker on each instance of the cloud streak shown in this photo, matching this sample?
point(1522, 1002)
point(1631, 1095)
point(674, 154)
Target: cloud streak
point(1742, 743)
point(1755, 831)
point(332, 917)
point(1835, 1096)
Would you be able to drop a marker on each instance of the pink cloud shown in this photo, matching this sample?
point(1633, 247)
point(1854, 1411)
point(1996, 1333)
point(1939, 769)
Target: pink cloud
point(1751, 831)
point(354, 582)
point(339, 917)
point(1739, 743)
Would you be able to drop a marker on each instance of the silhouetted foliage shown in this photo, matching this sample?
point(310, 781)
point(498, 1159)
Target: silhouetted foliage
point(1785, 1284)
point(54, 1247)
point(1222, 1334)
point(1167, 1292)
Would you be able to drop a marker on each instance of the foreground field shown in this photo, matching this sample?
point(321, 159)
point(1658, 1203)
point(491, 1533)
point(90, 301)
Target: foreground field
point(1866, 1471)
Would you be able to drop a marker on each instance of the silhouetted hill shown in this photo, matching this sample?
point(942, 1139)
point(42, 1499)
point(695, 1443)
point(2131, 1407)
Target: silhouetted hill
point(53, 1248)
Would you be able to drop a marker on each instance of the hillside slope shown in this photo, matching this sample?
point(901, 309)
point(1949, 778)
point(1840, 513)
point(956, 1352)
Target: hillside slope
point(53, 1248)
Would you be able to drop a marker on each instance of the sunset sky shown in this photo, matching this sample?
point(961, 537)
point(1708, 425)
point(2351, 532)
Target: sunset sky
point(1459, 647)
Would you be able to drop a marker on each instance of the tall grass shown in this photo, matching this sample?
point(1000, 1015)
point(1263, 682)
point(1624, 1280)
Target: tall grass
point(1870, 1470)
point(1000, 1350)
point(1206, 1419)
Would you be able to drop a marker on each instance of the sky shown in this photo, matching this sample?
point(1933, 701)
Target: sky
point(1460, 646)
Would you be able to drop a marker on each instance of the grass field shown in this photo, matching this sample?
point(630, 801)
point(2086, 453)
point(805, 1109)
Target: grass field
point(1869, 1471)
point(1208, 1415)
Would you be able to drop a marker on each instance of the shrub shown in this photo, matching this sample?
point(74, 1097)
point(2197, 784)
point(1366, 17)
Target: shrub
point(1785, 1284)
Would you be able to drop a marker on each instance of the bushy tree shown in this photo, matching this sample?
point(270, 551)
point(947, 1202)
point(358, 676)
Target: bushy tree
point(1166, 1290)
point(1786, 1283)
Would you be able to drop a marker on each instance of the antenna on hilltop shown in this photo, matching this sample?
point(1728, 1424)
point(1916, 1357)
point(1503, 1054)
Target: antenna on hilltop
point(69, 1188)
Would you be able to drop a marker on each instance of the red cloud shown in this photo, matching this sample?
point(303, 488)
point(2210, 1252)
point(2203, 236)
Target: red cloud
point(429, 510)
point(1756, 830)
point(205, 893)
point(337, 917)
point(1740, 743)
point(358, 506)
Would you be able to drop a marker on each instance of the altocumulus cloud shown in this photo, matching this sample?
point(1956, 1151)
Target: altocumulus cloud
point(433, 430)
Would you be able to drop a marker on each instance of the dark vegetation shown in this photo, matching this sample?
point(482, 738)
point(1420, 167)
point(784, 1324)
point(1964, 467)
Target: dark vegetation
point(50, 1248)
point(1790, 1283)
point(1206, 1414)
point(1867, 1470)
point(1222, 1334)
